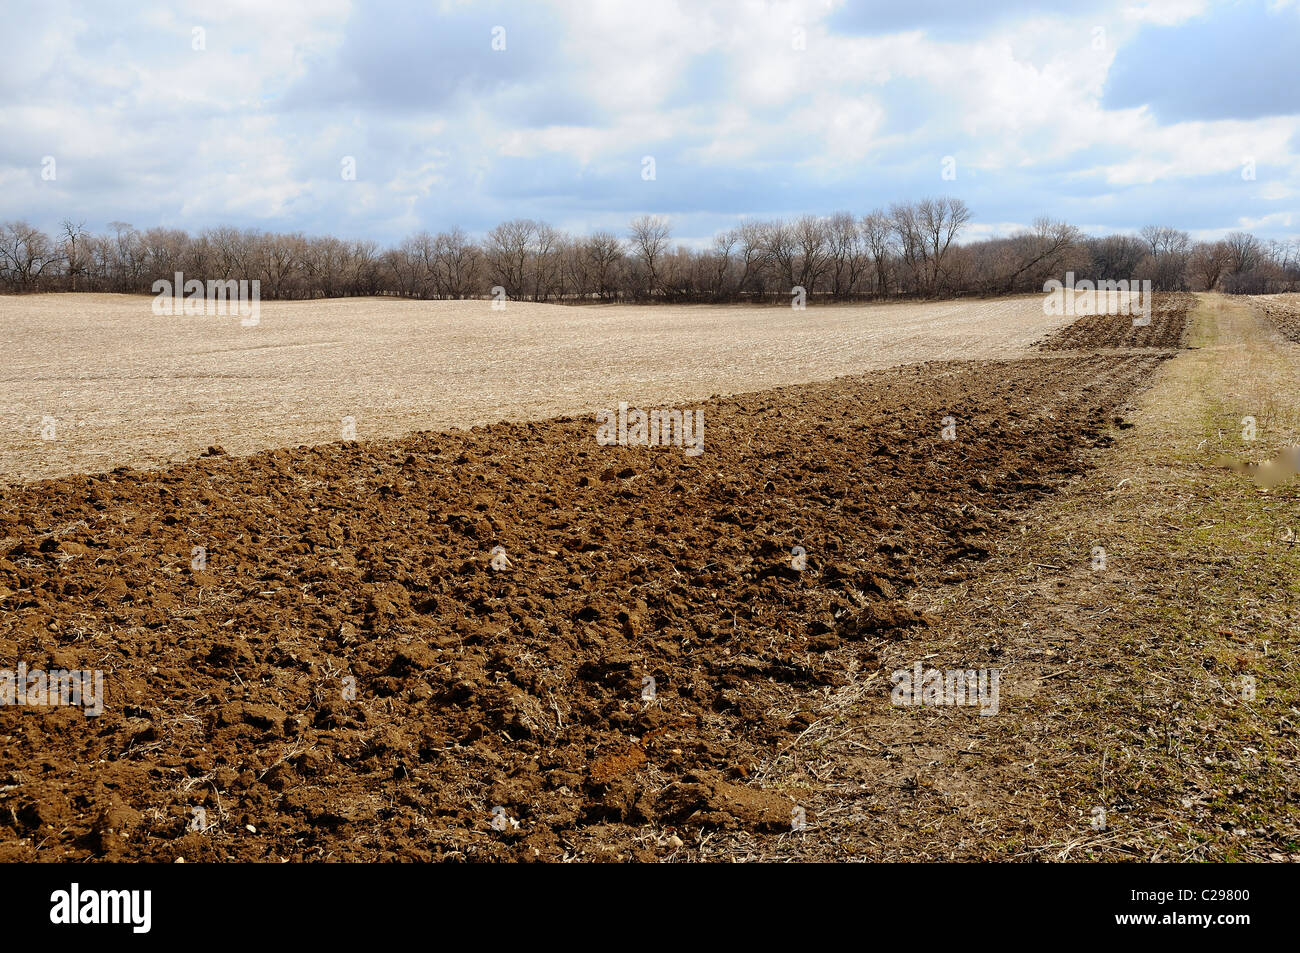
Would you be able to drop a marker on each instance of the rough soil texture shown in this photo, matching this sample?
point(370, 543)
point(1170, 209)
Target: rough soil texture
point(517, 695)
point(124, 387)
point(1283, 311)
point(1168, 328)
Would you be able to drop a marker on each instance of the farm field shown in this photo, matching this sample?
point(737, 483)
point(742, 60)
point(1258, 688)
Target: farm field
point(520, 688)
point(1167, 328)
point(690, 657)
point(1283, 310)
point(681, 653)
point(128, 388)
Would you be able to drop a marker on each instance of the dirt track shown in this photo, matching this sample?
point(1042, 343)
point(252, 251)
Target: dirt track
point(520, 689)
point(126, 387)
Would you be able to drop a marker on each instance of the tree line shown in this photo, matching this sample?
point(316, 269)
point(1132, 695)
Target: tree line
point(911, 249)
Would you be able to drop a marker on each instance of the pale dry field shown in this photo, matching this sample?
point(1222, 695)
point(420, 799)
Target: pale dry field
point(127, 387)
point(1289, 298)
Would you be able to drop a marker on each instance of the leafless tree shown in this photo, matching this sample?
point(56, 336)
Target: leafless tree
point(602, 253)
point(458, 264)
point(508, 248)
point(750, 240)
point(1207, 263)
point(1163, 240)
point(876, 230)
point(847, 255)
point(25, 254)
point(782, 250)
point(939, 222)
point(913, 248)
point(909, 243)
point(1039, 253)
point(1166, 264)
point(648, 237)
point(1115, 256)
point(543, 261)
point(72, 251)
point(812, 245)
point(1244, 252)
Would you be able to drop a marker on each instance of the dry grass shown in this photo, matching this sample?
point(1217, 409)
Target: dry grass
point(126, 387)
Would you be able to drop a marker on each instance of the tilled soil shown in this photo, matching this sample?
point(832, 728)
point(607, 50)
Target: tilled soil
point(1284, 312)
point(1168, 328)
point(348, 677)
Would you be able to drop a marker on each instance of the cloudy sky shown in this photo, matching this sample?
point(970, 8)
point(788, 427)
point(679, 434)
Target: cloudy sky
point(1108, 113)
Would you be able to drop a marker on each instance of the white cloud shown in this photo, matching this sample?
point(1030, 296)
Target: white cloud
point(1166, 12)
point(142, 125)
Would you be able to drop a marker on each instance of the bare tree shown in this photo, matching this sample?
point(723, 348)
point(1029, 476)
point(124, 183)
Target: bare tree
point(648, 236)
point(912, 248)
point(1207, 263)
point(909, 242)
point(543, 261)
point(751, 243)
point(458, 264)
point(1115, 256)
point(602, 254)
point(405, 267)
point(876, 230)
point(782, 250)
point(508, 249)
point(1166, 265)
point(72, 238)
point(1039, 253)
point(939, 221)
point(1244, 252)
point(846, 252)
point(811, 240)
point(25, 254)
point(1163, 240)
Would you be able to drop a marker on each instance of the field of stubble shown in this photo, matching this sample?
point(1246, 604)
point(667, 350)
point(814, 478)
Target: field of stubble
point(126, 387)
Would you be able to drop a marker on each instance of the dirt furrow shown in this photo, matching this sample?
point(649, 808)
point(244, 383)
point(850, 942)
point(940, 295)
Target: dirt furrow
point(309, 653)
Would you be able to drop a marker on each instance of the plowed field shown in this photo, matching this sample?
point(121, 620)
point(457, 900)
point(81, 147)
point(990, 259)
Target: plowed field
point(1167, 328)
point(347, 676)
